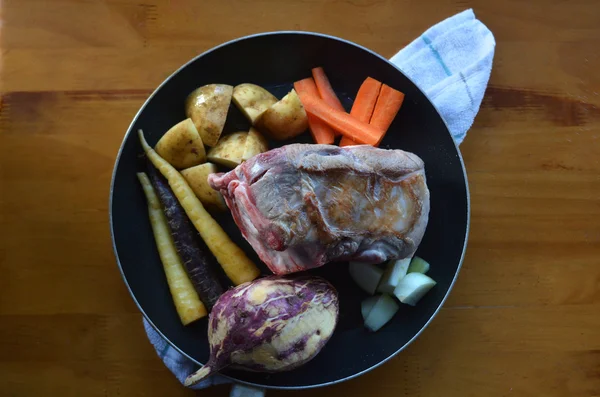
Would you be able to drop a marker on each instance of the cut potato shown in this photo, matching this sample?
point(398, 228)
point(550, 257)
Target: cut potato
point(255, 144)
point(182, 146)
point(394, 272)
point(207, 106)
point(285, 119)
point(197, 178)
point(229, 150)
point(252, 100)
point(365, 276)
point(382, 312)
point(413, 287)
point(418, 265)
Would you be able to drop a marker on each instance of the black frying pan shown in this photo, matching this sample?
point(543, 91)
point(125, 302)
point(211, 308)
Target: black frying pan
point(275, 61)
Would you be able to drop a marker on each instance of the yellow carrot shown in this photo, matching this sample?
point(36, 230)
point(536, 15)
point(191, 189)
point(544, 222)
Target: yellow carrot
point(187, 303)
point(237, 266)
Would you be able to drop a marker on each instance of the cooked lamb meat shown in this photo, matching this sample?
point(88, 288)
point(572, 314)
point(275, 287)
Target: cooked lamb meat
point(302, 206)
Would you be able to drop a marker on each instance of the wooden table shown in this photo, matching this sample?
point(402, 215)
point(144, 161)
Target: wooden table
point(524, 317)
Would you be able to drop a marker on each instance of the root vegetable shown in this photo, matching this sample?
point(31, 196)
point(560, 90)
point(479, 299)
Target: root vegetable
point(365, 276)
point(198, 262)
point(186, 300)
point(418, 265)
point(269, 325)
point(413, 287)
point(238, 267)
point(394, 272)
point(382, 312)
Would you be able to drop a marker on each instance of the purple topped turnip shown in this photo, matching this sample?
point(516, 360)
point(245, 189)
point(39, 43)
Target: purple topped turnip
point(269, 325)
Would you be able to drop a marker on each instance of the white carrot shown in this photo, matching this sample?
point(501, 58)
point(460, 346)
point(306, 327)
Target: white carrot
point(237, 266)
point(187, 303)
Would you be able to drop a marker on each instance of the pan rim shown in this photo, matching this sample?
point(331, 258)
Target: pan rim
point(129, 131)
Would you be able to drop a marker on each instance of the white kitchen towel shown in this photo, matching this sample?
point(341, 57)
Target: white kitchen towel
point(451, 63)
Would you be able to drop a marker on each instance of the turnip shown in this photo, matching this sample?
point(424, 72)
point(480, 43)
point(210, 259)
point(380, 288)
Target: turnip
point(418, 265)
point(394, 272)
point(413, 287)
point(382, 311)
point(365, 276)
point(271, 324)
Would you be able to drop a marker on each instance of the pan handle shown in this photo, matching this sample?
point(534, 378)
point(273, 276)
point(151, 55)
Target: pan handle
point(239, 390)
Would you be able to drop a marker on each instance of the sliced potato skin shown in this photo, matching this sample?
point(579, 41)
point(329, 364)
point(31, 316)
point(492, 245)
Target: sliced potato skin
point(229, 150)
point(255, 144)
point(197, 178)
point(182, 145)
point(252, 100)
point(208, 106)
point(285, 119)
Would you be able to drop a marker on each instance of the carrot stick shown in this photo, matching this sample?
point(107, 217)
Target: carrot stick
point(326, 90)
point(365, 100)
point(321, 132)
point(342, 122)
point(388, 105)
point(364, 103)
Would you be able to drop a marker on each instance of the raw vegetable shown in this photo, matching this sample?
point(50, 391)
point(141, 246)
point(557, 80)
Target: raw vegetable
point(413, 287)
point(186, 300)
point(359, 131)
point(229, 150)
point(366, 305)
point(194, 254)
point(418, 265)
point(255, 144)
point(365, 276)
point(320, 131)
point(197, 178)
point(207, 106)
point(285, 119)
point(364, 103)
point(269, 325)
point(182, 146)
point(232, 259)
point(252, 100)
point(325, 89)
point(388, 105)
point(365, 100)
point(383, 310)
point(394, 272)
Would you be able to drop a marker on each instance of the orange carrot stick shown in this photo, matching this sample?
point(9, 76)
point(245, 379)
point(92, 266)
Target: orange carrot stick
point(326, 90)
point(365, 100)
point(364, 103)
point(342, 122)
point(388, 105)
point(320, 131)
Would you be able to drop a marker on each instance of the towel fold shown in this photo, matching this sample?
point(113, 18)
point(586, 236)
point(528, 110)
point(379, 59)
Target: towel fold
point(451, 63)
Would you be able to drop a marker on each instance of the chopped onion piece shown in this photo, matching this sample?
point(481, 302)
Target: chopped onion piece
point(366, 276)
point(413, 287)
point(418, 265)
point(384, 309)
point(394, 272)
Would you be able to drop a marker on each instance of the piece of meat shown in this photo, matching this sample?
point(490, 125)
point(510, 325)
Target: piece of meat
point(301, 206)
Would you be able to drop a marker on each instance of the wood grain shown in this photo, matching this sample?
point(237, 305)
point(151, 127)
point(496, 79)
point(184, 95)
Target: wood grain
point(523, 318)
